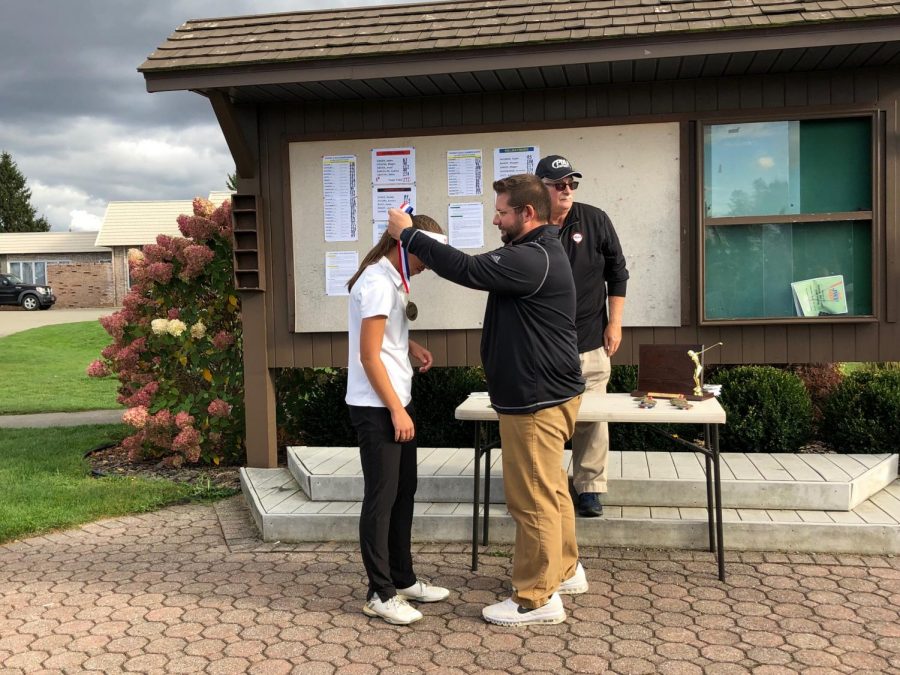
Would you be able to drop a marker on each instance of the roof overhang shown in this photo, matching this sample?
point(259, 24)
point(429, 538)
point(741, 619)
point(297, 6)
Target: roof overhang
point(881, 36)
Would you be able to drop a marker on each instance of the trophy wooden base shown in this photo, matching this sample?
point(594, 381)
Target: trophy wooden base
point(688, 396)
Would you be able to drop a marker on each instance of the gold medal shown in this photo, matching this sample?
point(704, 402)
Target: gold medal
point(411, 311)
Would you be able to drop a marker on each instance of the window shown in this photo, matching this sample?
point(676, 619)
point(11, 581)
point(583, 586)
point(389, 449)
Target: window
point(32, 271)
point(787, 212)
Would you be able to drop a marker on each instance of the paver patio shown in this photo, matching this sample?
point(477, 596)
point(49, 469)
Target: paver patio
point(192, 589)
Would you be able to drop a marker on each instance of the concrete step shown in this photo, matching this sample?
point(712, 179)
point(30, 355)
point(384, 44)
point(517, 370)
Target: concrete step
point(657, 479)
point(283, 512)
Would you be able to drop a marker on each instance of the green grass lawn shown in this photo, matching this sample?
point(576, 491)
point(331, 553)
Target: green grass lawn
point(43, 370)
point(47, 483)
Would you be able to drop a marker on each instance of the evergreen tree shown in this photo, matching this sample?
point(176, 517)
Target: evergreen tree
point(16, 212)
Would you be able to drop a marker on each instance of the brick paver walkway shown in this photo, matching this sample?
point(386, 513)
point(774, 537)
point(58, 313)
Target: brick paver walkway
point(190, 589)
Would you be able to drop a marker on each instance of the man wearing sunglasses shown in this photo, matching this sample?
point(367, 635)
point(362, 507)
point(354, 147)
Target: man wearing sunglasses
point(598, 266)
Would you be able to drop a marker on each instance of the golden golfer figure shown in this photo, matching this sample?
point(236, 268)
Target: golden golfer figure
point(698, 368)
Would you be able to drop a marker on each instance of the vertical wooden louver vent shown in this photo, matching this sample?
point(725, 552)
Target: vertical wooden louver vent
point(249, 261)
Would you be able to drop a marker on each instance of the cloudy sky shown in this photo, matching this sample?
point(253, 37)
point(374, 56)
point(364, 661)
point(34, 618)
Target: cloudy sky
point(75, 114)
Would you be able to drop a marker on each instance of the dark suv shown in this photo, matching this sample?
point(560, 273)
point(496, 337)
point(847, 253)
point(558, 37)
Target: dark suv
point(14, 291)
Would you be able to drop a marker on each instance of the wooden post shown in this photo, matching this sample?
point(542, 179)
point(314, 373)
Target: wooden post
point(259, 388)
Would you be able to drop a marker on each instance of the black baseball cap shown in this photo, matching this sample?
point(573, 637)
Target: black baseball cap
point(555, 167)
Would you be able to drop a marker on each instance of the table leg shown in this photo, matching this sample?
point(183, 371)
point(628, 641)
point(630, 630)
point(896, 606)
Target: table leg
point(710, 504)
point(720, 543)
point(475, 498)
point(487, 496)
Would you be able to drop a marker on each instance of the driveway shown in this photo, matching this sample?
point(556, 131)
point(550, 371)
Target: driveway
point(16, 320)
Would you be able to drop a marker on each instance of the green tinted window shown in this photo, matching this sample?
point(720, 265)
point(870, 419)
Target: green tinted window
point(802, 170)
point(750, 268)
point(781, 168)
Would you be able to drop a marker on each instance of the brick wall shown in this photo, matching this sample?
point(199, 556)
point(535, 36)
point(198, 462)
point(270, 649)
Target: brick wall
point(82, 284)
point(120, 273)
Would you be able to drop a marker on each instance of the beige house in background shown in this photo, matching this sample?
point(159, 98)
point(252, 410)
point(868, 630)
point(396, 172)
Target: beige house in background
point(77, 268)
point(133, 224)
point(90, 269)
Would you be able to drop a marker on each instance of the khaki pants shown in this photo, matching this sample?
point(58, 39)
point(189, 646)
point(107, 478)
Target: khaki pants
point(590, 443)
point(537, 496)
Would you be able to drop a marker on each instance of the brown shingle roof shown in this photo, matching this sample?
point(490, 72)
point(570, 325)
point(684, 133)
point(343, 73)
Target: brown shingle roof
point(408, 29)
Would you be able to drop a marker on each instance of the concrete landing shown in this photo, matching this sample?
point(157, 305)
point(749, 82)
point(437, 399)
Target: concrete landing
point(283, 512)
point(828, 482)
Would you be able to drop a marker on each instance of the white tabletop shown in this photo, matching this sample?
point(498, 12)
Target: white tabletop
point(612, 408)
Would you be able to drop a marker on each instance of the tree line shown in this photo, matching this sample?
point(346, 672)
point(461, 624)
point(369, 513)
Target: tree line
point(16, 212)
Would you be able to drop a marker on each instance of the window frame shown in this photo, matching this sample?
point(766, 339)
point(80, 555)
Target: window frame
point(874, 217)
point(44, 262)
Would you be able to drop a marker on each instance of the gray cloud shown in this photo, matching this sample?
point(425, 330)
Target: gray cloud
point(75, 113)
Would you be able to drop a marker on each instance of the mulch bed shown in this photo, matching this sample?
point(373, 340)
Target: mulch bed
point(115, 462)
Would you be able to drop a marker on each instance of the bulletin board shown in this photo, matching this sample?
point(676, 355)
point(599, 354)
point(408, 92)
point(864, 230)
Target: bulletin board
point(630, 171)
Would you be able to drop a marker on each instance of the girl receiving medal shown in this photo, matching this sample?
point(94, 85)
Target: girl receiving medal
point(379, 384)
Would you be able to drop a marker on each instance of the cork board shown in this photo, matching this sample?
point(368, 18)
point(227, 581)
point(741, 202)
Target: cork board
point(630, 171)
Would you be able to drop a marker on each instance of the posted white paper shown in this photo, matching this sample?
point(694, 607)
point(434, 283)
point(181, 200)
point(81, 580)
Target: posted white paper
point(339, 195)
point(384, 198)
point(510, 161)
point(466, 224)
point(339, 267)
point(464, 173)
point(393, 166)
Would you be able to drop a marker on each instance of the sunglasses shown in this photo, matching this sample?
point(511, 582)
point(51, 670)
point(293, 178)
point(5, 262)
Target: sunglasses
point(560, 186)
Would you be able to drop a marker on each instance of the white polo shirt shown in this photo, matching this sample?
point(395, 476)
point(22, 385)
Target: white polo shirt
point(379, 292)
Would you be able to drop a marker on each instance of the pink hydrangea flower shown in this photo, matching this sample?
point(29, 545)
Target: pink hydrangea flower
point(203, 207)
point(183, 419)
point(160, 272)
point(114, 324)
point(219, 408)
point(143, 396)
point(186, 440)
point(195, 258)
point(97, 369)
point(222, 339)
point(136, 417)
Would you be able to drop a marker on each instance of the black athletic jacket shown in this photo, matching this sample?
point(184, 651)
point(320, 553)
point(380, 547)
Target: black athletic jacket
point(593, 247)
point(528, 342)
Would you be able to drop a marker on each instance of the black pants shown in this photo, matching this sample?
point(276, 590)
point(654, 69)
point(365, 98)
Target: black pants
point(385, 524)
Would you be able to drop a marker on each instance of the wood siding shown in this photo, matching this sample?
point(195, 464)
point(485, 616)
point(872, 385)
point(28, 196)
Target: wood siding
point(686, 101)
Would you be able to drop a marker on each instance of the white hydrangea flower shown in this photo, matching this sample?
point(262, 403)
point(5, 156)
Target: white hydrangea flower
point(198, 330)
point(159, 326)
point(176, 327)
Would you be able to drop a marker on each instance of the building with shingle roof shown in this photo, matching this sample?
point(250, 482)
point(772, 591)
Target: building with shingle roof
point(132, 224)
point(72, 263)
point(774, 125)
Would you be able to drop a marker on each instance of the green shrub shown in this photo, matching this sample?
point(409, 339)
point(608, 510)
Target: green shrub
point(311, 408)
point(769, 410)
point(436, 395)
point(863, 413)
point(820, 380)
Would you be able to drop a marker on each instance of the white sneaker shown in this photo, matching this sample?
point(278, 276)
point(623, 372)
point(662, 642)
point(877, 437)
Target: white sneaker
point(424, 592)
point(395, 610)
point(509, 613)
point(575, 584)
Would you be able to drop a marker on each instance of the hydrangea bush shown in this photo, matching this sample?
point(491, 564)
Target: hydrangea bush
point(176, 346)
